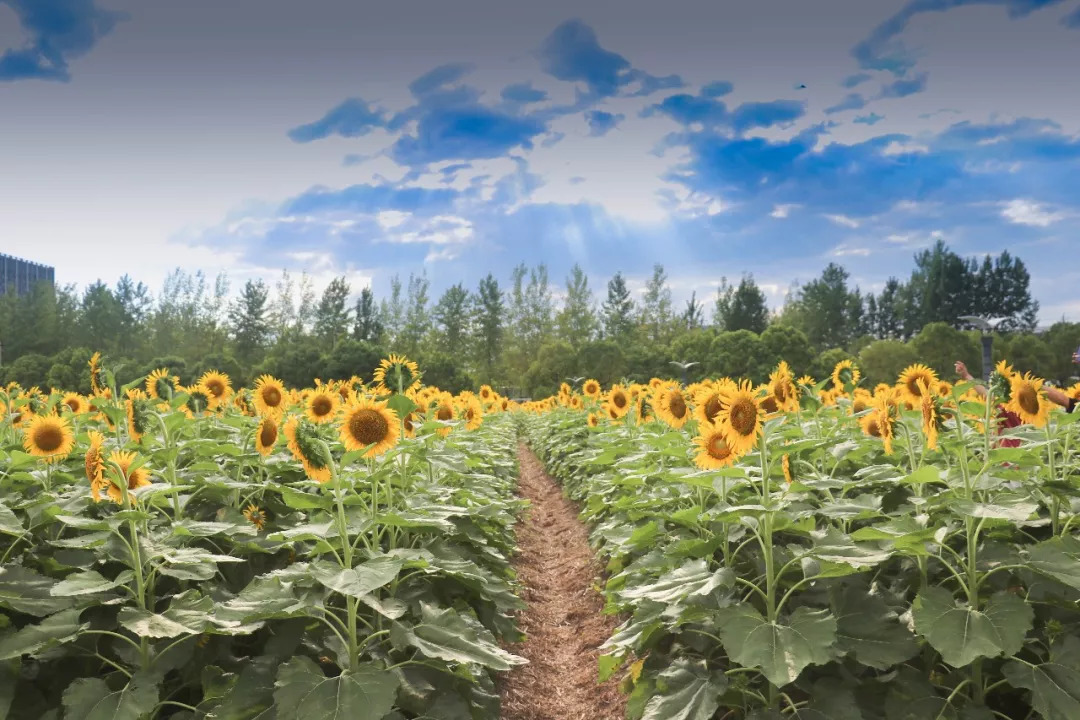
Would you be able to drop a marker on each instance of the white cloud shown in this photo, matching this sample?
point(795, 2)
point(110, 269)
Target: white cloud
point(782, 211)
point(1028, 212)
point(843, 250)
point(843, 220)
point(391, 218)
point(904, 148)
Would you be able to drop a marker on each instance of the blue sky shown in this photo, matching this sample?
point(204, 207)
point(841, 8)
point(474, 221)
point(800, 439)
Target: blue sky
point(461, 138)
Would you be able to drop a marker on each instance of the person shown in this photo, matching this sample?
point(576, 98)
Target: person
point(1010, 419)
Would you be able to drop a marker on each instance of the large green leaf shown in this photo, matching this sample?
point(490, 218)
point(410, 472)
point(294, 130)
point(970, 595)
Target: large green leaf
point(9, 521)
point(867, 628)
point(91, 699)
point(188, 614)
point(360, 580)
point(89, 583)
point(1013, 508)
point(446, 635)
point(780, 650)
point(1054, 684)
point(833, 546)
point(54, 630)
point(1058, 558)
point(962, 633)
point(691, 578)
point(303, 692)
point(687, 691)
point(23, 590)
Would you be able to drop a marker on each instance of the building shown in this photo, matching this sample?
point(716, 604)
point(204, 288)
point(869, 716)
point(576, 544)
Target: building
point(18, 276)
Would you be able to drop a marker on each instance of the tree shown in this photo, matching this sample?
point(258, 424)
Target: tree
point(825, 309)
point(693, 346)
point(742, 307)
point(618, 309)
point(1004, 291)
point(248, 319)
point(417, 319)
point(882, 361)
point(451, 315)
point(940, 345)
point(888, 311)
point(1062, 339)
point(134, 303)
point(100, 320)
point(824, 363)
point(392, 311)
point(351, 357)
point(693, 316)
point(305, 310)
point(941, 285)
point(656, 315)
point(552, 364)
point(789, 344)
point(282, 314)
point(603, 360)
point(332, 314)
point(577, 319)
point(739, 354)
point(367, 326)
point(490, 313)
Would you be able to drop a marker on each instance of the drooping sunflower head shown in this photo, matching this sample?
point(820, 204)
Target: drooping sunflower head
point(576, 403)
point(911, 377)
point(218, 385)
point(321, 406)
point(270, 396)
point(135, 477)
point(879, 424)
point(94, 461)
point(139, 414)
point(656, 383)
point(782, 387)
point(266, 435)
point(1001, 382)
point(592, 420)
point(411, 422)
point(98, 381)
point(199, 400)
point(707, 406)
point(255, 515)
point(472, 412)
point(741, 418)
point(845, 375)
point(1073, 391)
point(591, 389)
point(304, 444)
point(161, 385)
point(861, 399)
point(619, 400)
point(769, 404)
point(671, 406)
point(242, 402)
point(444, 411)
point(1028, 400)
point(613, 413)
point(396, 373)
point(504, 404)
point(76, 403)
point(929, 412)
point(786, 465)
point(714, 450)
point(48, 437)
point(643, 413)
point(371, 425)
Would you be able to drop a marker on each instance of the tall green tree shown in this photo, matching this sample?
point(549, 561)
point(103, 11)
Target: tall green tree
point(392, 311)
point(656, 313)
point(367, 325)
point(941, 285)
point(577, 320)
point(1004, 290)
point(451, 316)
point(617, 311)
point(825, 309)
point(741, 307)
point(332, 313)
point(490, 312)
point(693, 315)
point(249, 321)
point(417, 318)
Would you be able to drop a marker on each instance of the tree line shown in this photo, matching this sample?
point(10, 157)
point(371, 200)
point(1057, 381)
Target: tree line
point(519, 337)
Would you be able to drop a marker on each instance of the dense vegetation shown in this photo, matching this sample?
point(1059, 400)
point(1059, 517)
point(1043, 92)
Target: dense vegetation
point(518, 337)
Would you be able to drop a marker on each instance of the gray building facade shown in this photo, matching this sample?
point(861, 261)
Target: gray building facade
point(18, 276)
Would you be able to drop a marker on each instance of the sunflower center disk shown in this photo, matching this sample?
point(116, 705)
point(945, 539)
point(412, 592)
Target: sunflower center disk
point(368, 427)
point(1028, 400)
point(48, 438)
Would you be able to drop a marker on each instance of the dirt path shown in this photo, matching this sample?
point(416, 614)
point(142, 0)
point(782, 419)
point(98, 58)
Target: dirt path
point(564, 623)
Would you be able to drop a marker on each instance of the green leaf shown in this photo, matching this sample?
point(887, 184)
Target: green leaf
point(88, 583)
point(23, 590)
point(1058, 558)
point(54, 630)
point(9, 521)
point(360, 580)
point(302, 500)
point(1014, 508)
point(400, 404)
point(91, 699)
point(303, 692)
point(446, 635)
point(692, 578)
point(188, 614)
point(925, 474)
point(688, 691)
point(866, 628)
point(1054, 684)
point(780, 650)
point(961, 633)
point(833, 546)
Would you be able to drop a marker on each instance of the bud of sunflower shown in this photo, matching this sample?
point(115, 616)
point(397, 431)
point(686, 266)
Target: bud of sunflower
point(1000, 387)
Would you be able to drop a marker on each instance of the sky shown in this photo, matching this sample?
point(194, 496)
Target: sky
point(461, 138)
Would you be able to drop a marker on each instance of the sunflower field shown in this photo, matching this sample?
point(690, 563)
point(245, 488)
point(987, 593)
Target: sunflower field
point(339, 551)
point(819, 550)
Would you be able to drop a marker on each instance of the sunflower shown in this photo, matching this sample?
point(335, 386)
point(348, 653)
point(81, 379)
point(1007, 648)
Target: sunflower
point(254, 515)
point(740, 419)
point(242, 402)
point(137, 408)
point(845, 375)
point(909, 381)
point(613, 413)
point(619, 400)
point(372, 425)
point(1028, 399)
point(785, 463)
point(504, 404)
point(303, 442)
point(944, 388)
point(321, 406)
point(487, 394)
point(591, 389)
point(769, 403)
point(576, 403)
point(410, 422)
point(708, 405)
point(270, 396)
point(266, 435)
point(806, 381)
point(97, 375)
point(879, 424)
point(444, 412)
point(472, 412)
point(75, 402)
point(161, 385)
point(643, 414)
point(95, 465)
point(48, 437)
point(404, 373)
point(656, 383)
point(782, 387)
point(592, 420)
point(930, 417)
point(199, 400)
point(671, 407)
point(714, 450)
point(135, 478)
point(860, 401)
point(217, 385)
point(1074, 391)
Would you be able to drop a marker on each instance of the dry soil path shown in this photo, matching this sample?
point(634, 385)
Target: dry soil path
point(564, 624)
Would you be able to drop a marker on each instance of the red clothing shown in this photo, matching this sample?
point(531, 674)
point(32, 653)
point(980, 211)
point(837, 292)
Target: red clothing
point(1007, 419)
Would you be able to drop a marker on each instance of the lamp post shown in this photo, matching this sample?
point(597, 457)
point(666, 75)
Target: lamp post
point(987, 326)
point(684, 367)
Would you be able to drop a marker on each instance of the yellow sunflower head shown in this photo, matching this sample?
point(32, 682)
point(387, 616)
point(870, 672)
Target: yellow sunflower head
point(75, 402)
point(321, 406)
point(199, 400)
point(472, 412)
point(372, 425)
point(266, 435)
point(98, 381)
point(786, 465)
point(845, 375)
point(707, 406)
point(619, 400)
point(396, 373)
point(860, 400)
point(486, 393)
point(782, 387)
point(878, 424)
point(613, 413)
point(134, 477)
point(592, 420)
point(269, 396)
point(217, 385)
point(671, 406)
point(714, 450)
point(255, 515)
point(591, 389)
point(741, 418)
point(161, 385)
point(48, 437)
point(94, 461)
point(1028, 400)
point(304, 444)
point(911, 377)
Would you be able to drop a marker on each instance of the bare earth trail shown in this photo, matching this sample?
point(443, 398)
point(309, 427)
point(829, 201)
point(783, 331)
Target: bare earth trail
point(564, 622)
